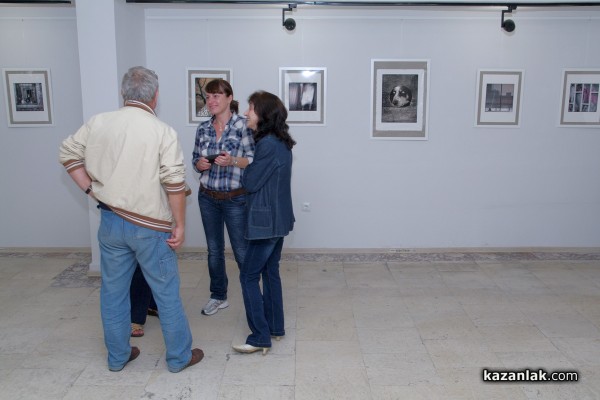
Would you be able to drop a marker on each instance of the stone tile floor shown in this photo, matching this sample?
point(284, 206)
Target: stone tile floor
point(364, 325)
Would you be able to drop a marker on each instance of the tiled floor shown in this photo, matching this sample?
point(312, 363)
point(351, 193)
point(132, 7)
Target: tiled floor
point(412, 325)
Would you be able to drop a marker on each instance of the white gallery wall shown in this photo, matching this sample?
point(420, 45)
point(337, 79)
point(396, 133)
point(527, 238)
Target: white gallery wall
point(38, 205)
point(535, 185)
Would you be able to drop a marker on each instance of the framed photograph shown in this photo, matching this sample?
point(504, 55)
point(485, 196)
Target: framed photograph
point(196, 81)
point(499, 98)
point(303, 92)
point(579, 104)
point(399, 99)
point(28, 97)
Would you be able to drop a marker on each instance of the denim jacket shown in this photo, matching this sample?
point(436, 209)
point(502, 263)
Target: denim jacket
point(267, 179)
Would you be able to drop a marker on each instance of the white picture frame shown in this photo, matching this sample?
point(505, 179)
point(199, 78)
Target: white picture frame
point(399, 99)
point(28, 97)
point(579, 99)
point(303, 91)
point(196, 79)
point(499, 98)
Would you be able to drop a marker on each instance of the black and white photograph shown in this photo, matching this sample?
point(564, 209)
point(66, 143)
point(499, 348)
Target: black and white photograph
point(400, 96)
point(499, 98)
point(302, 90)
point(28, 97)
point(303, 96)
point(399, 99)
point(197, 79)
point(579, 103)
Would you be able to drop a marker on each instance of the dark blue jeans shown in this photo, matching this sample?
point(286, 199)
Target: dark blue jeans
point(141, 297)
point(216, 214)
point(264, 311)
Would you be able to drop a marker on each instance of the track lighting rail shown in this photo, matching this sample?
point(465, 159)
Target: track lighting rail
point(491, 3)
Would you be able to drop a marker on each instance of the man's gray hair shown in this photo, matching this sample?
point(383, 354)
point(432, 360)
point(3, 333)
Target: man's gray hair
point(139, 84)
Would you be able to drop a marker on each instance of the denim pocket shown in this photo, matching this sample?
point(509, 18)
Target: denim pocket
point(106, 222)
point(239, 200)
point(167, 259)
point(260, 217)
point(146, 233)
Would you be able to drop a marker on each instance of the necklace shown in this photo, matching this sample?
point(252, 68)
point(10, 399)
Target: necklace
point(219, 126)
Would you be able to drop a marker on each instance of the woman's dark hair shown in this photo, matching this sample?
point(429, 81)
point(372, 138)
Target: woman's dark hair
point(222, 86)
point(271, 115)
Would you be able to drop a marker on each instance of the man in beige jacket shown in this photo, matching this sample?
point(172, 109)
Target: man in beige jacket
point(131, 162)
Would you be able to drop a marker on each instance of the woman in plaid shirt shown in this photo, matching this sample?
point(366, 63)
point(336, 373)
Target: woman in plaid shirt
point(223, 148)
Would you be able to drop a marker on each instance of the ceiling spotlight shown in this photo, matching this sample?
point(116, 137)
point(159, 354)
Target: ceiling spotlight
point(508, 25)
point(289, 23)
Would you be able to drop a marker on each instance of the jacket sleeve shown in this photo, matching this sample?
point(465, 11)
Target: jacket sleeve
point(172, 169)
point(262, 167)
point(72, 150)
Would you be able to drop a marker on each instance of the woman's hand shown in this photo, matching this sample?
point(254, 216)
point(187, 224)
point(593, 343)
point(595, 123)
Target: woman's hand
point(224, 160)
point(203, 164)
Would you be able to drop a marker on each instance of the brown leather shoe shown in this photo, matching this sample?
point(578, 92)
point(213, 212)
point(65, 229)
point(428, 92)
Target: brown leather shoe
point(135, 352)
point(197, 356)
point(153, 312)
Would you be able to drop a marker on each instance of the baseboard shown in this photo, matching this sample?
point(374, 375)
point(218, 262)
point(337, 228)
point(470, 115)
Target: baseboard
point(541, 249)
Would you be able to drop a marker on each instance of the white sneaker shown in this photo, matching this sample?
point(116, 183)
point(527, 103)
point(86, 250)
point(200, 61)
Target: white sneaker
point(213, 306)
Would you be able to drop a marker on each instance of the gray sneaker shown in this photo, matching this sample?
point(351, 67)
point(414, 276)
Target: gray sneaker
point(213, 306)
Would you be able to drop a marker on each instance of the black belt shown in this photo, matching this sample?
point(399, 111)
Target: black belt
point(217, 195)
point(103, 206)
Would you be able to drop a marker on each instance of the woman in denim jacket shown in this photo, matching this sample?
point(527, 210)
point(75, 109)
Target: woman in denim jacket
point(269, 218)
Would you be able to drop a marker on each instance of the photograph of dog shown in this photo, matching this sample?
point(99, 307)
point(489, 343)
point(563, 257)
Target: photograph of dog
point(399, 94)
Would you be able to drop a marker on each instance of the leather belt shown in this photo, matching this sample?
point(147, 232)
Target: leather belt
point(103, 206)
point(217, 195)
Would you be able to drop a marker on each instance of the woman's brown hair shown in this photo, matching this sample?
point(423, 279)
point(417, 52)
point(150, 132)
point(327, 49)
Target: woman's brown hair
point(222, 86)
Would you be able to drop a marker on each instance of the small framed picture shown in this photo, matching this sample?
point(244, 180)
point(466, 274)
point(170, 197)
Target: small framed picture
point(499, 98)
point(28, 97)
point(196, 82)
point(399, 99)
point(303, 92)
point(579, 103)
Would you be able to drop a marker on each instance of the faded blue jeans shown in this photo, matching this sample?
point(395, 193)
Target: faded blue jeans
point(216, 214)
point(122, 246)
point(264, 311)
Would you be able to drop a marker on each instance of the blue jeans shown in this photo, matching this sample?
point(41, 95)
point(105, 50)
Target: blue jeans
point(216, 214)
point(264, 311)
point(122, 246)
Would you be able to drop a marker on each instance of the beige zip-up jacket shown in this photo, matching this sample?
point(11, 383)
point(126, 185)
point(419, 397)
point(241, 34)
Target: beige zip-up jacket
point(134, 160)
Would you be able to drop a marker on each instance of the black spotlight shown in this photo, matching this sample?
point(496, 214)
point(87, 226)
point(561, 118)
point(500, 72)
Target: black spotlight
point(508, 25)
point(289, 23)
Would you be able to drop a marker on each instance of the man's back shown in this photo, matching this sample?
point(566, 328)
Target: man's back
point(132, 163)
point(133, 158)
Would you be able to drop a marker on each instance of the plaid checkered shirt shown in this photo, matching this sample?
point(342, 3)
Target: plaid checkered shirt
point(236, 140)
